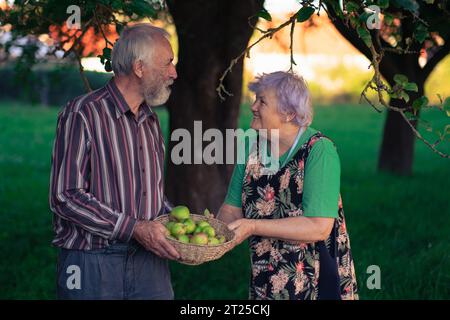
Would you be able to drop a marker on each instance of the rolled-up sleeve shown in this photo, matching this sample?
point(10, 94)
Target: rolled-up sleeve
point(70, 198)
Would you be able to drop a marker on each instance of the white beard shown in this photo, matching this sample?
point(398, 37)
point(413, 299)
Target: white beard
point(158, 98)
point(156, 91)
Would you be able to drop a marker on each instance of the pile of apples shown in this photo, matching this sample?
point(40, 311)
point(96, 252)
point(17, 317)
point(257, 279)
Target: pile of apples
point(182, 228)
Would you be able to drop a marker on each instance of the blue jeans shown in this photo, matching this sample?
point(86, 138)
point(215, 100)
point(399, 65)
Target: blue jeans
point(119, 271)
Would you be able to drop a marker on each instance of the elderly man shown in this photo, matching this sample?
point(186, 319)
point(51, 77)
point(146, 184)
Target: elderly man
point(107, 178)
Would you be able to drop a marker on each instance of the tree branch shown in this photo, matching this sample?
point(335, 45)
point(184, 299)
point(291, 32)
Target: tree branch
point(350, 34)
point(291, 48)
point(221, 88)
point(82, 74)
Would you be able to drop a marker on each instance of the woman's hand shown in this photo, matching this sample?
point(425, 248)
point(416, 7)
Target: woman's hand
point(243, 228)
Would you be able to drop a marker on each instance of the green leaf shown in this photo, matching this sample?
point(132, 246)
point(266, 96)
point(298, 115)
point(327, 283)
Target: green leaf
point(388, 18)
point(107, 53)
point(364, 35)
point(102, 59)
point(365, 16)
point(394, 95)
point(352, 6)
point(410, 5)
point(401, 79)
point(383, 4)
point(354, 21)
point(142, 8)
point(447, 129)
point(410, 116)
point(108, 67)
point(117, 4)
point(404, 96)
point(337, 8)
point(411, 86)
point(447, 103)
point(420, 103)
point(264, 14)
point(421, 32)
point(446, 106)
point(304, 13)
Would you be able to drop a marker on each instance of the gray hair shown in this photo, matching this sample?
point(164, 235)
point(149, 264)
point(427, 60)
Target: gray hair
point(292, 94)
point(136, 42)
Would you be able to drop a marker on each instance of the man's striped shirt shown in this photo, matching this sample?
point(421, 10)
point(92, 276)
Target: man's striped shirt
point(107, 170)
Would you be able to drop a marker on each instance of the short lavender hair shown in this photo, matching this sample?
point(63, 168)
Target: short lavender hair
point(292, 94)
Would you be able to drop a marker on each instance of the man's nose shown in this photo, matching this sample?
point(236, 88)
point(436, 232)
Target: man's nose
point(173, 72)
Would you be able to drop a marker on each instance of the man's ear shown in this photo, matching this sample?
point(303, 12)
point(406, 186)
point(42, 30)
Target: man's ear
point(138, 68)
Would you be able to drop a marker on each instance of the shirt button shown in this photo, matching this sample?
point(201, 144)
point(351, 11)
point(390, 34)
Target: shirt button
point(144, 193)
point(140, 148)
point(143, 170)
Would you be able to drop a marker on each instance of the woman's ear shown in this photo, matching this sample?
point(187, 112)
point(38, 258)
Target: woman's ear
point(290, 117)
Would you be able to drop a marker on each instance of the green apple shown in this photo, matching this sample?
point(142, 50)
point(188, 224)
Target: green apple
point(183, 238)
point(178, 229)
point(203, 224)
point(213, 241)
point(199, 238)
point(209, 231)
point(190, 225)
point(198, 230)
point(180, 213)
point(169, 225)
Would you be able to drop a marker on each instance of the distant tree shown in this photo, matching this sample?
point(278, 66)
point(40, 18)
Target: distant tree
point(409, 29)
point(393, 35)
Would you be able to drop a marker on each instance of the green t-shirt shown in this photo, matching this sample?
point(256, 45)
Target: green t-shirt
point(321, 182)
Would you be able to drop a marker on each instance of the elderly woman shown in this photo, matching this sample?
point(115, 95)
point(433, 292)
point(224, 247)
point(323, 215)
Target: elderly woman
point(293, 218)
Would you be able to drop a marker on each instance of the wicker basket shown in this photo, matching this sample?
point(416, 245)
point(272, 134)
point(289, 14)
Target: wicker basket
point(195, 254)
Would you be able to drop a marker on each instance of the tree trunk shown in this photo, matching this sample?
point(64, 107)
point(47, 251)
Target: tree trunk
point(210, 34)
point(397, 148)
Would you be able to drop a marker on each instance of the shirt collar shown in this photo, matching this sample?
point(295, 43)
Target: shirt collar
point(120, 103)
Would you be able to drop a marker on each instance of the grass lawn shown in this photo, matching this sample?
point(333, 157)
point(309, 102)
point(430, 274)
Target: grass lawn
point(400, 224)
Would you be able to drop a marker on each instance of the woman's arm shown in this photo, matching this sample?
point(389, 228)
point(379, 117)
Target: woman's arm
point(320, 202)
point(229, 213)
point(303, 229)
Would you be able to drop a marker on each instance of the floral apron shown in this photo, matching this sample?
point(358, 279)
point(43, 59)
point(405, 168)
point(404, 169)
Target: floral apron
point(294, 270)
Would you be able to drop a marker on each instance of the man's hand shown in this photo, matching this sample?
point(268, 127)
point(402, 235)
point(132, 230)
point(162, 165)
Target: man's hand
point(152, 236)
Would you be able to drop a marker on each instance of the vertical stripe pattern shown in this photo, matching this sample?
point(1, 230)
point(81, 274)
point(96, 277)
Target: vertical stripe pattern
point(107, 170)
